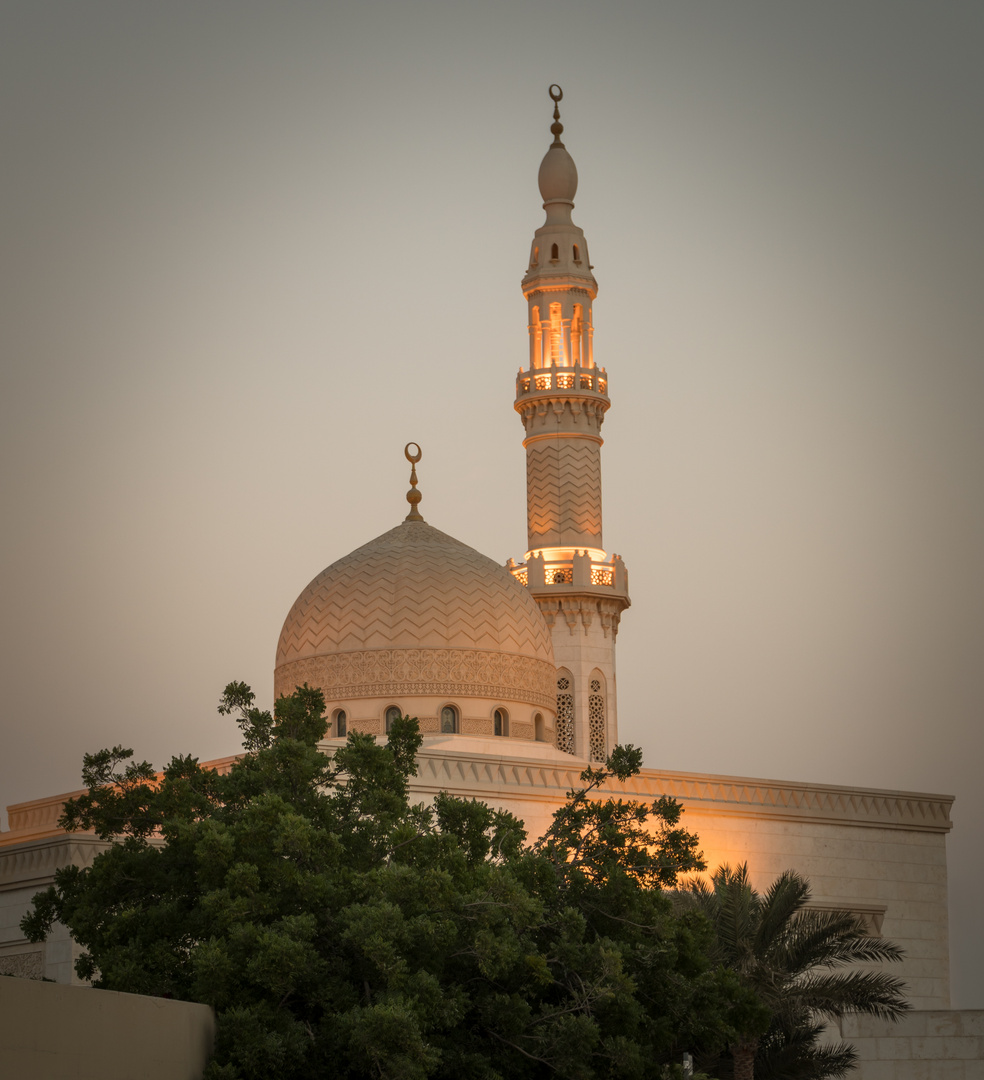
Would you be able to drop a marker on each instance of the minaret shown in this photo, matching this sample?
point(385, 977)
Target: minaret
point(562, 398)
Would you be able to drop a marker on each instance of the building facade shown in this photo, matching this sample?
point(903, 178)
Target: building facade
point(511, 669)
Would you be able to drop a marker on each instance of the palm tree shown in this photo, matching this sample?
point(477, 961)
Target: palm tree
point(789, 956)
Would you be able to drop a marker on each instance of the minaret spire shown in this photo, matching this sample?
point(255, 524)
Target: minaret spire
point(562, 398)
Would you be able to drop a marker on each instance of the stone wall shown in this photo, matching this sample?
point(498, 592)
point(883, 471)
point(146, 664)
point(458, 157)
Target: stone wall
point(926, 1045)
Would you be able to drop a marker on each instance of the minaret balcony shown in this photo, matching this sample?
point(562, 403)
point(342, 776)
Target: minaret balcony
point(572, 571)
point(573, 379)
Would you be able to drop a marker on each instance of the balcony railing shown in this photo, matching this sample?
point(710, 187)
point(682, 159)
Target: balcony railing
point(579, 572)
point(576, 378)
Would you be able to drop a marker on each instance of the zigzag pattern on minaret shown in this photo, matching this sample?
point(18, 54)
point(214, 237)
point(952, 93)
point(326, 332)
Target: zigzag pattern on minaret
point(563, 483)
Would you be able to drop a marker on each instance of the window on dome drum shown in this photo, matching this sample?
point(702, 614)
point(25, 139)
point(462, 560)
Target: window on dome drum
point(539, 728)
point(500, 722)
point(449, 720)
point(392, 713)
point(554, 251)
point(341, 724)
point(577, 254)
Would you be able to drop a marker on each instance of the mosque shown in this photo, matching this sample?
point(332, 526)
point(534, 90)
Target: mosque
point(510, 670)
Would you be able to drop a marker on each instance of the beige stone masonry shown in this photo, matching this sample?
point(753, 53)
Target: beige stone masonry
point(924, 1045)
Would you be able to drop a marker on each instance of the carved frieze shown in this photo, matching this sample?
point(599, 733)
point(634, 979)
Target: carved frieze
point(374, 673)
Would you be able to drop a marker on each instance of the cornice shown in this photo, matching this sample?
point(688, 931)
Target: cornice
point(552, 283)
point(32, 863)
point(482, 777)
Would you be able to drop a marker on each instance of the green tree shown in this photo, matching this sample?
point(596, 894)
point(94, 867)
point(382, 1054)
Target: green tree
point(801, 965)
point(338, 929)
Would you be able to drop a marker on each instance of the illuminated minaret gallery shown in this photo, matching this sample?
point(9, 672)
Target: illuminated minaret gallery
point(562, 397)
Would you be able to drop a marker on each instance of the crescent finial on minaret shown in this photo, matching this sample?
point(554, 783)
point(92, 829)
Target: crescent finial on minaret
point(556, 128)
point(413, 495)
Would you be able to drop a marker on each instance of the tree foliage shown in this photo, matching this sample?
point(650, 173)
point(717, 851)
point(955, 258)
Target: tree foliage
point(801, 965)
point(337, 929)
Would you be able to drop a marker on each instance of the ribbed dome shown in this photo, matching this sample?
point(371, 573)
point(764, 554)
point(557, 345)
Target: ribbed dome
point(414, 587)
point(558, 175)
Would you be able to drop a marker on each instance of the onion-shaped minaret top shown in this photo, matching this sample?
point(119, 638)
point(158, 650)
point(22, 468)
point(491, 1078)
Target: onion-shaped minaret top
point(558, 173)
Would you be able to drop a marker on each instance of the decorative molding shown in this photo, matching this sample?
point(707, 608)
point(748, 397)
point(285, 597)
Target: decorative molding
point(580, 410)
point(581, 608)
point(33, 862)
point(873, 915)
point(381, 673)
point(482, 777)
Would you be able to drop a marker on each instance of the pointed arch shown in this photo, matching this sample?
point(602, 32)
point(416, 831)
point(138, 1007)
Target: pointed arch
point(536, 337)
point(558, 354)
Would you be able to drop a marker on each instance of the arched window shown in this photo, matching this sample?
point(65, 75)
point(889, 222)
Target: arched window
point(392, 713)
point(449, 720)
point(565, 712)
point(577, 254)
point(577, 330)
point(536, 338)
point(536, 256)
point(500, 722)
point(539, 728)
point(558, 354)
point(597, 719)
point(341, 724)
point(554, 252)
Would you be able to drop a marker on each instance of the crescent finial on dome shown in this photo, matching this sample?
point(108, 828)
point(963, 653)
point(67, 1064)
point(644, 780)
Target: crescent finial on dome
point(413, 495)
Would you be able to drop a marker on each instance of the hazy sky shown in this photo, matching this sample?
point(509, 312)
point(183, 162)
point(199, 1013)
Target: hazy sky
point(247, 251)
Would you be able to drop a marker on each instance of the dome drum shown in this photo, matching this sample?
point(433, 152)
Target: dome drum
point(475, 718)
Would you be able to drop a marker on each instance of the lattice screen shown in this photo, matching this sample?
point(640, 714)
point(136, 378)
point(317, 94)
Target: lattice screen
point(596, 722)
point(565, 715)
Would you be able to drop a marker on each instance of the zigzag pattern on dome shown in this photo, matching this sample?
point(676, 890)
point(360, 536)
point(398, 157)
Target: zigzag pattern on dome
point(414, 587)
point(563, 481)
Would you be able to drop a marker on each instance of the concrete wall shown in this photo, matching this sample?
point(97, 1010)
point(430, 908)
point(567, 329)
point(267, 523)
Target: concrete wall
point(929, 1045)
point(53, 1032)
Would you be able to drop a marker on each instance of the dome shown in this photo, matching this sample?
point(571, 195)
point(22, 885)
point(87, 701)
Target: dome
point(558, 175)
point(416, 618)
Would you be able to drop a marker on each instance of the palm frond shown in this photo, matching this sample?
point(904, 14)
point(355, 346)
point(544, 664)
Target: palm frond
point(735, 915)
point(829, 939)
point(873, 993)
point(783, 901)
